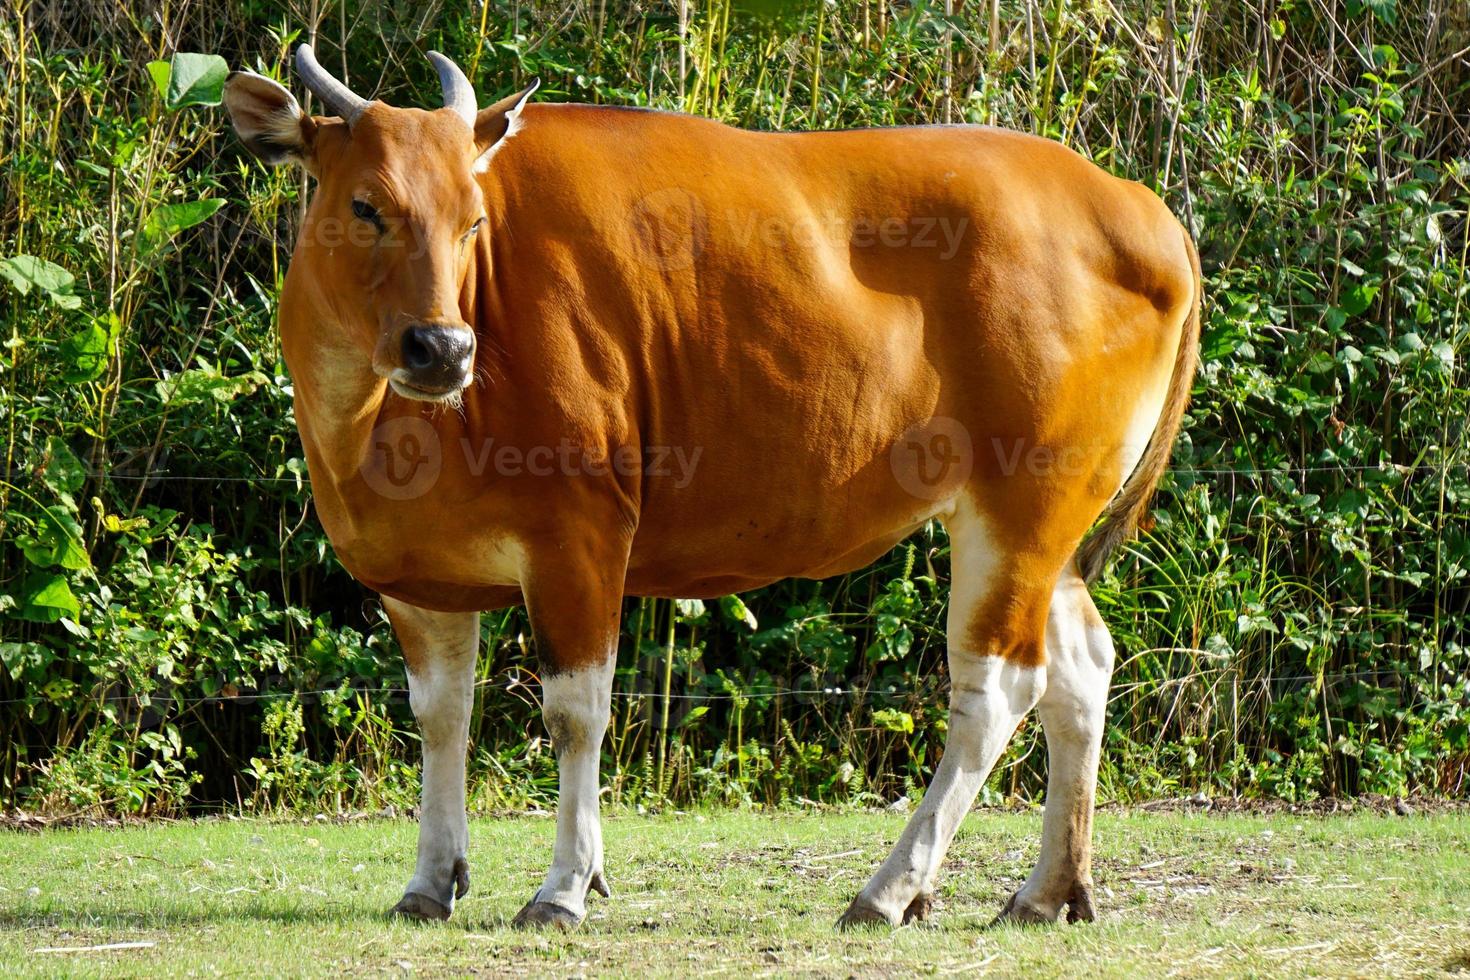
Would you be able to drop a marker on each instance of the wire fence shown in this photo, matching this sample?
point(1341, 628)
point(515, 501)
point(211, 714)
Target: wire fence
point(802, 693)
point(831, 692)
point(1401, 469)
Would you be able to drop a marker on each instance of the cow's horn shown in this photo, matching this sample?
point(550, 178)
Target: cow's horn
point(334, 95)
point(459, 94)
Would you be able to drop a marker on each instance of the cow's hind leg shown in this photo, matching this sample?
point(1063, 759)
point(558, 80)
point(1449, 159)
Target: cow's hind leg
point(439, 649)
point(1079, 669)
point(996, 622)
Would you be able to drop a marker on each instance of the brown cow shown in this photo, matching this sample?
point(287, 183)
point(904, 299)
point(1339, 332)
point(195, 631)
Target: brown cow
point(561, 354)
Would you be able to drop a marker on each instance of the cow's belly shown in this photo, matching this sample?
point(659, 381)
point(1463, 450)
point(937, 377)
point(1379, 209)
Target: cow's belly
point(744, 523)
point(678, 578)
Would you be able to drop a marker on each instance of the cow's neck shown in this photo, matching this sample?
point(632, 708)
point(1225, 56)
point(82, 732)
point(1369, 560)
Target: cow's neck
point(337, 406)
point(340, 402)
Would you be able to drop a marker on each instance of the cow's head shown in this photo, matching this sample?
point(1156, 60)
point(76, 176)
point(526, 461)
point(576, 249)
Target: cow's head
point(390, 233)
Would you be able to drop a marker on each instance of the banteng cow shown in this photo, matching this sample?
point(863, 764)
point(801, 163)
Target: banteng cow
point(563, 354)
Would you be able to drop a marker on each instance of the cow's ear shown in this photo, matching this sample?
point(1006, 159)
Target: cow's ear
point(497, 123)
point(268, 118)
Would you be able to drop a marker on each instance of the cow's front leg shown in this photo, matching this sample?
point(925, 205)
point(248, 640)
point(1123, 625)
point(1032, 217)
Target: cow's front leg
point(575, 620)
point(439, 649)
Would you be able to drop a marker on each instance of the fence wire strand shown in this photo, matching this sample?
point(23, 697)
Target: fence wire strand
point(1402, 469)
point(831, 693)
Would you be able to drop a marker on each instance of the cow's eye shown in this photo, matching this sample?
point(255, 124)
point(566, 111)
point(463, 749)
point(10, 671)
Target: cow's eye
point(364, 211)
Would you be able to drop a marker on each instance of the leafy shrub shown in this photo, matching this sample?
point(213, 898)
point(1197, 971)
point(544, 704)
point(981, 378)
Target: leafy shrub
point(174, 631)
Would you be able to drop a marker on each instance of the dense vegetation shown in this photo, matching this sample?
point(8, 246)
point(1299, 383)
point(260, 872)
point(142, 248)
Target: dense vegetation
point(174, 631)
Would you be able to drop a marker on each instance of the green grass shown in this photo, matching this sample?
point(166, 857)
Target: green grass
point(739, 893)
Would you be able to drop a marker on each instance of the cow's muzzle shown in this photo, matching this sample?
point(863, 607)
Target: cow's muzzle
point(437, 361)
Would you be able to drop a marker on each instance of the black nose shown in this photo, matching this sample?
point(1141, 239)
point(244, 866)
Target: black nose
point(437, 356)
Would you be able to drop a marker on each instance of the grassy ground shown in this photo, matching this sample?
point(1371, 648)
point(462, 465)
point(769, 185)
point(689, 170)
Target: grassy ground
point(1178, 894)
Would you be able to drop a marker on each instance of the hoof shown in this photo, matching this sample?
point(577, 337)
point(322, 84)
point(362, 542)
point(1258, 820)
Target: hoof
point(544, 915)
point(919, 908)
point(861, 915)
point(1021, 913)
point(420, 907)
point(461, 878)
point(1079, 905)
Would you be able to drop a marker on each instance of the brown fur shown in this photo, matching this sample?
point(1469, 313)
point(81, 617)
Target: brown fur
point(1120, 519)
point(642, 281)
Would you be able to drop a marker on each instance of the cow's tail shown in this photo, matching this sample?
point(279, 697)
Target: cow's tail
point(1120, 518)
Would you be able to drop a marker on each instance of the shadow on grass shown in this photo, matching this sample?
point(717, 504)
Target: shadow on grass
point(82, 917)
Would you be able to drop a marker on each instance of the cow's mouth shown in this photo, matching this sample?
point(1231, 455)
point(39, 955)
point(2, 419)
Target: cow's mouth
point(416, 393)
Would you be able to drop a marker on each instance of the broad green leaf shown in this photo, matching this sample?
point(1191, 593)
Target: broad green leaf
point(26, 271)
point(198, 384)
point(1219, 343)
point(89, 349)
point(894, 720)
point(85, 353)
point(1384, 10)
point(694, 715)
point(1320, 362)
point(63, 472)
point(1445, 356)
point(16, 657)
point(12, 658)
point(160, 71)
point(195, 79)
point(1357, 299)
point(47, 598)
point(57, 540)
point(167, 220)
point(736, 610)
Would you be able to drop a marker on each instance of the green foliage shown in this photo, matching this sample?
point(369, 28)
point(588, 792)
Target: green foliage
point(189, 79)
point(26, 272)
point(1293, 624)
point(167, 220)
